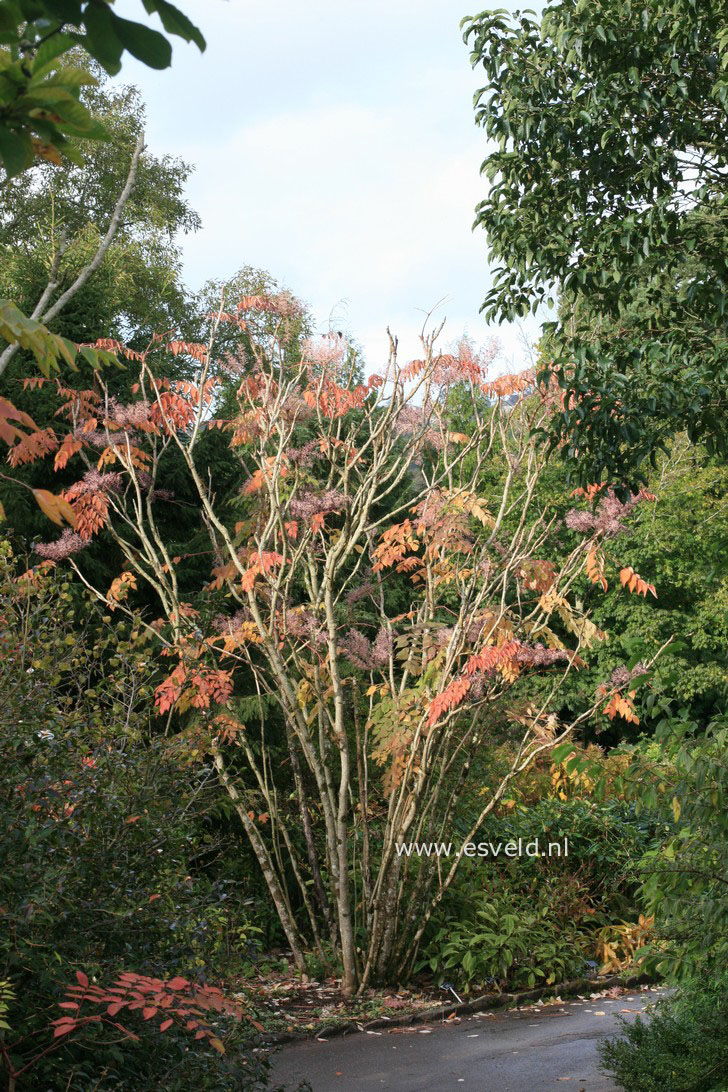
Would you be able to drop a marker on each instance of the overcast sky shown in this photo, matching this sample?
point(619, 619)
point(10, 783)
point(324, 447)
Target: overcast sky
point(334, 146)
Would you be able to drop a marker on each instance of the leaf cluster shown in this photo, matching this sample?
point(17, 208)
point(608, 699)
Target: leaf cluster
point(40, 109)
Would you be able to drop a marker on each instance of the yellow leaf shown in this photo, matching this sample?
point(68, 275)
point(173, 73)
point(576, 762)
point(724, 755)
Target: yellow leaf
point(55, 508)
point(676, 808)
point(47, 151)
point(66, 511)
point(217, 1045)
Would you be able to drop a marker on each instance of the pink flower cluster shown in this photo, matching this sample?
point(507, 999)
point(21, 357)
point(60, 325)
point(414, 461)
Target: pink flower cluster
point(359, 593)
point(539, 656)
point(305, 626)
point(607, 520)
point(466, 363)
point(471, 633)
point(69, 543)
point(303, 456)
point(410, 421)
point(146, 482)
point(224, 623)
point(621, 675)
point(95, 482)
point(326, 352)
point(132, 416)
point(309, 505)
point(365, 654)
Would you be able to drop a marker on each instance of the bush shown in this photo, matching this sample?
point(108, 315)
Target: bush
point(684, 1048)
point(114, 855)
point(537, 920)
point(512, 937)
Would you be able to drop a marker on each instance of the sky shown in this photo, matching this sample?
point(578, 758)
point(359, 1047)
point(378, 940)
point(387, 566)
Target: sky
point(334, 146)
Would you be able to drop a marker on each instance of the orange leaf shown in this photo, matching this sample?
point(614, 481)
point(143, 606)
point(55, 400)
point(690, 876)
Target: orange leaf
point(634, 582)
point(595, 567)
point(68, 448)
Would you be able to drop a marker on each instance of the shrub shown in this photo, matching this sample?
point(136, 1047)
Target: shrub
point(114, 857)
point(514, 937)
point(684, 1048)
point(538, 919)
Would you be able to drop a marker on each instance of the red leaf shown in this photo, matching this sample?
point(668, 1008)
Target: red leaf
point(148, 1013)
point(73, 1005)
point(63, 1029)
point(165, 1024)
point(115, 1007)
point(82, 979)
point(177, 983)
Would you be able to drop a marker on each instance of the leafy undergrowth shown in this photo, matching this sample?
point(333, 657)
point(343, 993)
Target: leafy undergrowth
point(285, 1004)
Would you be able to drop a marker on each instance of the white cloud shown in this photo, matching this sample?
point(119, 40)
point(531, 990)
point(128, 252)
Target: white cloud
point(335, 147)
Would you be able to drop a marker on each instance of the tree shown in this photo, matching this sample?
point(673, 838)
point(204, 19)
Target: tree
point(40, 114)
point(361, 588)
point(91, 251)
point(40, 109)
point(608, 187)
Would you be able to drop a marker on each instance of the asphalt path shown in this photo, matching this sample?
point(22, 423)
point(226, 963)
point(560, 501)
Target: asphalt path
point(550, 1046)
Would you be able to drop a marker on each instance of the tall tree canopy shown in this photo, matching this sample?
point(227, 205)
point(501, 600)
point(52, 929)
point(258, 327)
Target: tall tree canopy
point(608, 187)
point(52, 222)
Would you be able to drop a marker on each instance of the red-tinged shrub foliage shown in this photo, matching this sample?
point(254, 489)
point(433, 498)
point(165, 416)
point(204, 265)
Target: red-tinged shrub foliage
point(380, 704)
point(113, 855)
point(176, 1001)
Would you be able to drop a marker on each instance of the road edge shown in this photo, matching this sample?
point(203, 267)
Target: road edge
point(479, 1004)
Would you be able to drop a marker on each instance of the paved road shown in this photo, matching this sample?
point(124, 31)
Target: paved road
point(547, 1047)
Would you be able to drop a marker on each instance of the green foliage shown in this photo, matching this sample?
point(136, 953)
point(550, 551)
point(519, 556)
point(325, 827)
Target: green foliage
point(682, 1048)
point(115, 855)
point(607, 185)
point(678, 781)
point(679, 543)
point(517, 936)
point(535, 919)
point(606, 842)
point(686, 876)
point(41, 112)
point(7, 995)
point(52, 222)
point(49, 349)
